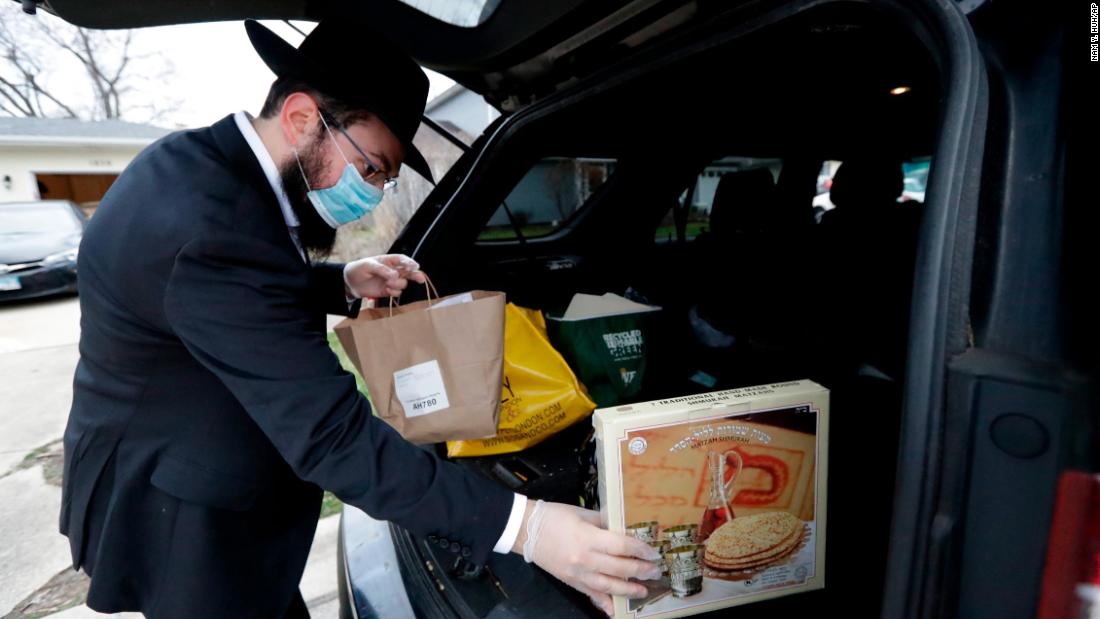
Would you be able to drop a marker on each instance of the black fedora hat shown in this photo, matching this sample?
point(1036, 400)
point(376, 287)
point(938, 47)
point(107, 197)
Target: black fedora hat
point(331, 58)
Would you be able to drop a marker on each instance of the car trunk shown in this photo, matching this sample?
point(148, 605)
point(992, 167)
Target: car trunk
point(804, 301)
point(666, 90)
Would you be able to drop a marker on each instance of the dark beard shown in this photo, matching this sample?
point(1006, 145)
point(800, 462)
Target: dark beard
point(316, 236)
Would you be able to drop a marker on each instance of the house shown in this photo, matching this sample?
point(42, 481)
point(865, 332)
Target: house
point(66, 158)
point(463, 108)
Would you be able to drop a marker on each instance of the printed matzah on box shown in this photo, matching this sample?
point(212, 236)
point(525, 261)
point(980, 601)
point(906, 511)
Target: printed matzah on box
point(729, 485)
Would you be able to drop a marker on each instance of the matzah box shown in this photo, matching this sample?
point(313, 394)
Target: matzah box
point(729, 485)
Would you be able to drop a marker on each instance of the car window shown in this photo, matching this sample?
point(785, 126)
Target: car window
point(548, 196)
point(821, 201)
point(37, 218)
point(916, 179)
point(375, 233)
point(915, 172)
point(698, 199)
point(465, 13)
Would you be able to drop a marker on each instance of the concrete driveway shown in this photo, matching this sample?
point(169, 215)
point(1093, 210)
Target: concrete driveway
point(31, 325)
point(37, 357)
point(38, 354)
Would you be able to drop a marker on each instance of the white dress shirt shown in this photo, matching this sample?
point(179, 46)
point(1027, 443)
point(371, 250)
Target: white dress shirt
point(271, 171)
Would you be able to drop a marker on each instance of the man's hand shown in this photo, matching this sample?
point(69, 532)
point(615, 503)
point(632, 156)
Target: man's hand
point(572, 546)
point(381, 276)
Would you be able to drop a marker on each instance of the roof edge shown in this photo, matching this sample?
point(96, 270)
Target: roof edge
point(37, 140)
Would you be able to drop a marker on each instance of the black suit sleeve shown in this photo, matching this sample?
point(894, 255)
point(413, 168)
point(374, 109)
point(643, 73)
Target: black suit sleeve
point(327, 285)
point(237, 305)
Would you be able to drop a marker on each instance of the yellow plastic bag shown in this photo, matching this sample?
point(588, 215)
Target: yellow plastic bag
point(540, 395)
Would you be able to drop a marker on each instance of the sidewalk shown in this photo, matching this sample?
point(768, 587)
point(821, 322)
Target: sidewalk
point(38, 354)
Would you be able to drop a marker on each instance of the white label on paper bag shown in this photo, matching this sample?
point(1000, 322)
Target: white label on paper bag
point(420, 389)
point(465, 297)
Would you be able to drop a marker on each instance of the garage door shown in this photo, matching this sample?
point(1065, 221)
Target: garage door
point(84, 189)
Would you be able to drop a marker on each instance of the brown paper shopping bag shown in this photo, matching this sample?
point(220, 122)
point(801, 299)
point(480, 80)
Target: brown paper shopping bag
point(433, 368)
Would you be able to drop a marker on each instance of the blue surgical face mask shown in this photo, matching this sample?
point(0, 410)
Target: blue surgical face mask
point(349, 199)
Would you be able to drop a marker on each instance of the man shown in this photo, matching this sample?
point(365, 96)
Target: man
point(208, 411)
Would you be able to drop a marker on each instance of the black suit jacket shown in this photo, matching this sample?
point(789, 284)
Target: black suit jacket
point(208, 410)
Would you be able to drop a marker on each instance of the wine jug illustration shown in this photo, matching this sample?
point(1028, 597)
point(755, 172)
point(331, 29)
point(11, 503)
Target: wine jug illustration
point(719, 510)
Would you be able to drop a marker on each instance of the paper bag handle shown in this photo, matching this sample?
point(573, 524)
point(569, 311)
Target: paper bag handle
point(427, 284)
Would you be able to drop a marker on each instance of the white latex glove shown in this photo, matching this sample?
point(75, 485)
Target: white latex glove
point(381, 276)
point(570, 544)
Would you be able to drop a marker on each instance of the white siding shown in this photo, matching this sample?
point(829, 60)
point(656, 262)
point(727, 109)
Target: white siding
point(467, 110)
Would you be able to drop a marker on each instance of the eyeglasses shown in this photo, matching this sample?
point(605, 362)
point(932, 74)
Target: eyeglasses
point(372, 174)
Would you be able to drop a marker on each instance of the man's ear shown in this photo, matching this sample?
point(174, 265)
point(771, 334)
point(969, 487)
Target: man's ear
point(298, 117)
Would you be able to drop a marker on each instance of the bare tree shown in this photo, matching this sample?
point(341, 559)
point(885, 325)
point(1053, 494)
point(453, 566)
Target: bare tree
point(22, 92)
point(38, 53)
